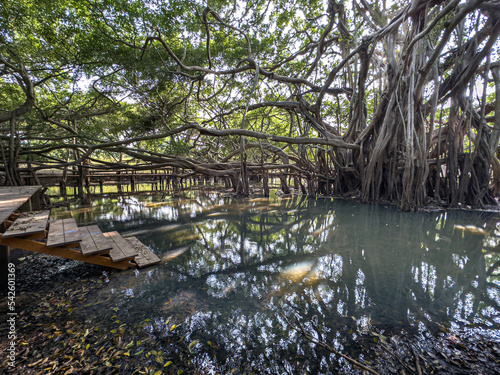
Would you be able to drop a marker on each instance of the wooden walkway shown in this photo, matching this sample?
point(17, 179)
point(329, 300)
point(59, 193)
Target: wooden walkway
point(64, 238)
point(93, 241)
point(145, 256)
point(11, 198)
point(121, 250)
point(63, 232)
point(28, 223)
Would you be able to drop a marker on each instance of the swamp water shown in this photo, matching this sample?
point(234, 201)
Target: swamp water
point(233, 268)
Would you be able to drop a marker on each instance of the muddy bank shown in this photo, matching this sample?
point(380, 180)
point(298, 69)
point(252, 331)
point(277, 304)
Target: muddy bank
point(53, 337)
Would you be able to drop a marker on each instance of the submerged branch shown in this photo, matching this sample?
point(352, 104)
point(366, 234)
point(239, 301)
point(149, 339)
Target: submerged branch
point(299, 328)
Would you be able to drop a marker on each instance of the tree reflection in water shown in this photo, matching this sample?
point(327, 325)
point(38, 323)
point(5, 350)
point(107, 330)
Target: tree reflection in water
point(349, 271)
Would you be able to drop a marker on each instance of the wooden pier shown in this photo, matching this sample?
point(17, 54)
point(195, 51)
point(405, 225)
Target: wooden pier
point(33, 231)
point(22, 198)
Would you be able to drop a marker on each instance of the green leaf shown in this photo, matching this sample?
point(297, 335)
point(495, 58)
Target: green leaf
point(129, 345)
point(192, 345)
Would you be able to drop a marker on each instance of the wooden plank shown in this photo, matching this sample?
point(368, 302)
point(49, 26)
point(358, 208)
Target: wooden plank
point(63, 232)
point(146, 257)
point(93, 241)
point(28, 223)
point(11, 198)
point(56, 233)
point(25, 244)
point(71, 232)
point(121, 248)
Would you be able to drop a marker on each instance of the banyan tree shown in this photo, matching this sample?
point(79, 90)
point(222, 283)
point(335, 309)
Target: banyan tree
point(385, 101)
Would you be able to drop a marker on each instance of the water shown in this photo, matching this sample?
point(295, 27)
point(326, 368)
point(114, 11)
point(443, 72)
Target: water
point(233, 269)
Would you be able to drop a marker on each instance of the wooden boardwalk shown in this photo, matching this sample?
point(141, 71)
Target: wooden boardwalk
point(28, 223)
point(64, 238)
point(63, 232)
point(121, 250)
point(94, 241)
point(146, 257)
point(62, 252)
point(11, 198)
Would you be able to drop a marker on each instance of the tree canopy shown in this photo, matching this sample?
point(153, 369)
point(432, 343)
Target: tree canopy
point(394, 101)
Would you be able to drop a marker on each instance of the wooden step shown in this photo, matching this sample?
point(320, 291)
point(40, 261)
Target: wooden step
point(146, 257)
point(122, 249)
point(28, 223)
point(93, 241)
point(63, 252)
point(63, 232)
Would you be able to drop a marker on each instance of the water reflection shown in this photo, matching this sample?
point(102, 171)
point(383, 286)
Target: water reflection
point(348, 270)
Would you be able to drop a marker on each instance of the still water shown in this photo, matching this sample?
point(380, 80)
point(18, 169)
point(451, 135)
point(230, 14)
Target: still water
point(232, 268)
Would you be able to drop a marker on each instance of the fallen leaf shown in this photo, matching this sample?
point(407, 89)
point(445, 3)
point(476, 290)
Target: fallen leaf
point(192, 345)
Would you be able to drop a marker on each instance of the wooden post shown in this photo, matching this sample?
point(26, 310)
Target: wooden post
point(62, 188)
point(265, 183)
point(80, 179)
point(86, 199)
point(86, 173)
point(132, 183)
point(36, 200)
